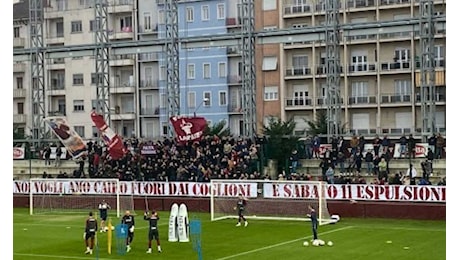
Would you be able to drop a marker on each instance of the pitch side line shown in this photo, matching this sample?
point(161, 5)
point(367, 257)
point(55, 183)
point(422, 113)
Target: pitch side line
point(282, 243)
point(62, 257)
point(403, 228)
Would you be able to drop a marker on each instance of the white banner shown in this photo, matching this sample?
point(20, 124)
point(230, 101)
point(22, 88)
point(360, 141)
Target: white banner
point(421, 150)
point(18, 153)
point(271, 190)
point(79, 186)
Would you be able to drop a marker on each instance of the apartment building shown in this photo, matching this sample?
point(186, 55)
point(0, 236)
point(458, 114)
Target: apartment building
point(380, 72)
point(380, 82)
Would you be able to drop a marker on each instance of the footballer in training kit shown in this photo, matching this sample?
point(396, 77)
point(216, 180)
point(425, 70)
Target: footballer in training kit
point(153, 230)
point(103, 209)
point(241, 205)
point(314, 221)
point(128, 220)
point(90, 233)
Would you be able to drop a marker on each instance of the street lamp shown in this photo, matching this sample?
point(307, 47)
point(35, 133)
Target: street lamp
point(201, 103)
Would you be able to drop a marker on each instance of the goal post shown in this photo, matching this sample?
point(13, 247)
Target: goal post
point(269, 199)
point(60, 196)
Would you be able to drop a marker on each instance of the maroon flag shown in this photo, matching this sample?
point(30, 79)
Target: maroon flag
point(111, 139)
point(188, 128)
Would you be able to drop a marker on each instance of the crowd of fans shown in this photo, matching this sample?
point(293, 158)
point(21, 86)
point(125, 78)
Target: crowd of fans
point(239, 158)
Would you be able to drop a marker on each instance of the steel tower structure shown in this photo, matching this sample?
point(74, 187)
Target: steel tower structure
point(333, 98)
point(172, 58)
point(248, 45)
point(102, 59)
point(37, 69)
point(427, 73)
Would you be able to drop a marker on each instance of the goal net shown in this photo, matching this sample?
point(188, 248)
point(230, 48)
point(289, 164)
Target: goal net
point(60, 196)
point(279, 200)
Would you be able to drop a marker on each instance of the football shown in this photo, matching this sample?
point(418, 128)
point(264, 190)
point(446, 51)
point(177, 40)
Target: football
point(305, 243)
point(329, 243)
point(234, 208)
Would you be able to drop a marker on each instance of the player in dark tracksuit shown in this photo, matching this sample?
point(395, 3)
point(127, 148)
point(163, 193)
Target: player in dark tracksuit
point(153, 230)
point(103, 208)
point(314, 221)
point(128, 220)
point(90, 233)
point(240, 206)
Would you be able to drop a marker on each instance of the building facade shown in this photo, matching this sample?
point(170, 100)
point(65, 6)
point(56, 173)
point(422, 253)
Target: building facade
point(379, 74)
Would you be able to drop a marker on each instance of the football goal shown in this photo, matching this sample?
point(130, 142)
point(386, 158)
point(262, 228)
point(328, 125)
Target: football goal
point(60, 196)
point(268, 199)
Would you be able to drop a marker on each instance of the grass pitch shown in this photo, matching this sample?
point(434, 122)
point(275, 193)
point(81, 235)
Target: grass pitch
point(61, 237)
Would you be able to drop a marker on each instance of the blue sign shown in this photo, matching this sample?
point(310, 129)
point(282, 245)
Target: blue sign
point(121, 234)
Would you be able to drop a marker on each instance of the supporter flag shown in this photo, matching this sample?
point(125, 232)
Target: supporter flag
point(188, 128)
point(69, 138)
point(113, 141)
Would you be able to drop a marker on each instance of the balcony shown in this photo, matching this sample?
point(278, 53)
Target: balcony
point(397, 131)
point(235, 109)
point(322, 69)
point(359, 39)
point(232, 22)
point(369, 100)
point(57, 64)
point(297, 9)
point(361, 68)
point(439, 78)
point(395, 66)
point(149, 84)
point(438, 97)
point(392, 98)
point(393, 3)
point(148, 57)
point(19, 119)
point(297, 71)
point(150, 111)
point(120, 6)
point(19, 42)
point(366, 132)
point(397, 36)
point(298, 102)
point(57, 38)
point(438, 63)
point(53, 12)
point(233, 51)
point(19, 93)
point(350, 4)
point(123, 33)
point(234, 79)
point(121, 60)
point(322, 101)
point(19, 67)
point(123, 115)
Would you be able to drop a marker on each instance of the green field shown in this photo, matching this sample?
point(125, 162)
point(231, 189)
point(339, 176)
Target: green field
point(61, 237)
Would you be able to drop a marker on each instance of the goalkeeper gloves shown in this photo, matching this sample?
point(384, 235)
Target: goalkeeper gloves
point(131, 229)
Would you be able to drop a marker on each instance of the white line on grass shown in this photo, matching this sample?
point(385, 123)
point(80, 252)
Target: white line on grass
point(402, 228)
point(282, 243)
point(61, 257)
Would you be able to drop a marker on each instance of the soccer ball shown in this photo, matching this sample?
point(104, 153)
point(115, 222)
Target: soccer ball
point(234, 208)
point(329, 243)
point(305, 243)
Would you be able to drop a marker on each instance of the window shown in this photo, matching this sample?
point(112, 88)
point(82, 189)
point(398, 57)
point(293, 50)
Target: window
point(20, 108)
point(76, 27)
point(19, 83)
point(205, 13)
point(147, 22)
point(77, 79)
point(207, 99)
point(220, 11)
point(359, 89)
point(79, 129)
point(92, 26)
point(61, 106)
point(163, 100)
point(165, 128)
point(206, 70)
point(270, 93)
point(16, 33)
point(191, 71)
point(402, 55)
point(162, 75)
point(300, 61)
point(126, 24)
point(403, 87)
point(439, 54)
point(191, 99)
point(269, 63)
point(300, 94)
point(222, 98)
point(60, 29)
point(222, 70)
point(78, 105)
point(189, 13)
point(269, 5)
point(95, 131)
point(61, 5)
point(94, 79)
point(161, 16)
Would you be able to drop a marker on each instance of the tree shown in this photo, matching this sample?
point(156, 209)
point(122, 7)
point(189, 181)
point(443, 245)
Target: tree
point(218, 129)
point(319, 126)
point(280, 140)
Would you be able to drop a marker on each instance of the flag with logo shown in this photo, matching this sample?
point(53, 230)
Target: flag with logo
point(188, 128)
point(69, 138)
point(112, 140)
